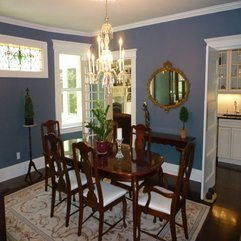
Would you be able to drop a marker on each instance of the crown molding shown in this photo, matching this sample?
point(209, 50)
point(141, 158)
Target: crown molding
point(173, 17)
point(43, 27)
point(183, 15)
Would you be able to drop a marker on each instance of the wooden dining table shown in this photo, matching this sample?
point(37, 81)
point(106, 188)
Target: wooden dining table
point(133, 167)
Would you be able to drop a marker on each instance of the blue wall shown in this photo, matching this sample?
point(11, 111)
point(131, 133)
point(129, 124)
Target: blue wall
point(181, 42)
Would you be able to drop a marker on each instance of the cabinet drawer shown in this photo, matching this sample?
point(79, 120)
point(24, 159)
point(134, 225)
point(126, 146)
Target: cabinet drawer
point(235, 144)
point(224, 142)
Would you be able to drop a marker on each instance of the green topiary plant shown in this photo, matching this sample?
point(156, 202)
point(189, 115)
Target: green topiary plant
point(100, 125)
point(28, 109)
point(183, 116)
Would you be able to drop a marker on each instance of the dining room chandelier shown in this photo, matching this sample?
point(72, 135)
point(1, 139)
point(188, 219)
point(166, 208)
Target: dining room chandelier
point(100, 70)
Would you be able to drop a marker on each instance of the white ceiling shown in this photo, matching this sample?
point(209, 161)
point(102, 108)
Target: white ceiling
point(87, 16)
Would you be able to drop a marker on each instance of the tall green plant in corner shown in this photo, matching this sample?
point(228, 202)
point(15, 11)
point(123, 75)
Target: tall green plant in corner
point(28, 109)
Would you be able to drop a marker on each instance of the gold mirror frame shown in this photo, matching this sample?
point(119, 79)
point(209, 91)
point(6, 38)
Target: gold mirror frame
point(180, 81)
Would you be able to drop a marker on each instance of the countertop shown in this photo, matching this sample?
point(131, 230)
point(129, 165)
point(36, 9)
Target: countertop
point(230, 116)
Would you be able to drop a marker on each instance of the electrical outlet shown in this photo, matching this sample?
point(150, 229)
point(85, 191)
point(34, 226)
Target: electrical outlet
point(18, 155)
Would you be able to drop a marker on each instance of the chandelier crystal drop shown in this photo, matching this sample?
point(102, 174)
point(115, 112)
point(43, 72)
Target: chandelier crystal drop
point(101, 70)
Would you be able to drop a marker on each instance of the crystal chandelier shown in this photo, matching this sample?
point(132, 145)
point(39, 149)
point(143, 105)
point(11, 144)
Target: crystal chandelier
point(101, 70)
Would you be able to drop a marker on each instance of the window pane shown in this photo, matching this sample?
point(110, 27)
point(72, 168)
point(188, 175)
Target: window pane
point(72, 78)
point(72, 103)
point(70, 83)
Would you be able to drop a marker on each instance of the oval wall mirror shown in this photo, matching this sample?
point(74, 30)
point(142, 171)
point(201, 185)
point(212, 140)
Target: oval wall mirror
point(168, 87)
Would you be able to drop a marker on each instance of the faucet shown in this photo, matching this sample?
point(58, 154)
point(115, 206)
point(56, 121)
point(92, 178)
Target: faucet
point(236, 107)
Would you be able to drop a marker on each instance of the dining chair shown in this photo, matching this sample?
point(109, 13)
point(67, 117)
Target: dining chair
point(49, 126)
point(111, 138)
point(165, 203)
point(63, 179)
point(140, 139)
point(100, 196)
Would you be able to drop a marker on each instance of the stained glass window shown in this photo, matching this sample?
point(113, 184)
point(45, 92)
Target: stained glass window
point(22, 57)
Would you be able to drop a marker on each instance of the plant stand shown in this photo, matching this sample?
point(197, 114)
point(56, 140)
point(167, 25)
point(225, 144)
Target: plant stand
point(31, 162)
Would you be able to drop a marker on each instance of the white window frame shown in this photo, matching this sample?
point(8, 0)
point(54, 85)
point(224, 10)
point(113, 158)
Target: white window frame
point(70, 48)
point(31, 43)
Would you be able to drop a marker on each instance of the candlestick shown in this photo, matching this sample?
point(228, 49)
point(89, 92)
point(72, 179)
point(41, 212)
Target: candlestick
point(119, 153)
point(119, 133)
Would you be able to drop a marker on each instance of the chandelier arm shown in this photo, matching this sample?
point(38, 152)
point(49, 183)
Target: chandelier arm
point(106, 15)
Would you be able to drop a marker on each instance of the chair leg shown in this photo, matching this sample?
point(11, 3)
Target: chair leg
point(52, 202)
point(124, 212)
point(101, 221)
point(184, 220)
point(138, 224)
point(68, 210)
point(173, 228)
point(46, 179)
point(81, 207)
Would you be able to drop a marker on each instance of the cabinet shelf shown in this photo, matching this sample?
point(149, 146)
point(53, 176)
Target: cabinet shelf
point(229, 71)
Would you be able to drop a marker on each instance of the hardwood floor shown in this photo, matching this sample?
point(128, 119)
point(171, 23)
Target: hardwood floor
point(224, 220)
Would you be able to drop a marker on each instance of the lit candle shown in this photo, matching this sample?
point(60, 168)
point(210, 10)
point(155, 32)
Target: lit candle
point(88, 54)
point(120, 43)
point(98, 40)
point(119, 133)
point(93, 63)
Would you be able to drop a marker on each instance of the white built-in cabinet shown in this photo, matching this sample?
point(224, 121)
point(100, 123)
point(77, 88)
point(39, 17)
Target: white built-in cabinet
point(229, 71)
point(229, 141)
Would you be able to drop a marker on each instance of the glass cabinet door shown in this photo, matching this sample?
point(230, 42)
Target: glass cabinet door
point(235, 80)
point(229, 71)
point(222, 71)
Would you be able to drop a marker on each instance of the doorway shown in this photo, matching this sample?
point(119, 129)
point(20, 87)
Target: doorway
point(209, 165)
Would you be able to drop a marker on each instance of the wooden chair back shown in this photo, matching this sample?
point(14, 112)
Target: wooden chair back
point(57, 163)
point(140, 137)
point(184, 173)
point(50, 126)
point(170, 202)
point(93, 195)
point(84, 158)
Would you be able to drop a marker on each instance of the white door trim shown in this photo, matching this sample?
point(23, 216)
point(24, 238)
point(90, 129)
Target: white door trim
point(220, 43)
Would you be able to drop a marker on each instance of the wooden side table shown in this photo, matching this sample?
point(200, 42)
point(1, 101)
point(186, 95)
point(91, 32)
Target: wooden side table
point(31, 162)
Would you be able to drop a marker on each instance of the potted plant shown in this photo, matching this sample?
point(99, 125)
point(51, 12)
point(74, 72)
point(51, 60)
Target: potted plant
point(183, 116)
point(101, 127)
point(28, 109)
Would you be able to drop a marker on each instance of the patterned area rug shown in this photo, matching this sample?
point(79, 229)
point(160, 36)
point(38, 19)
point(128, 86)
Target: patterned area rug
point(28, 218)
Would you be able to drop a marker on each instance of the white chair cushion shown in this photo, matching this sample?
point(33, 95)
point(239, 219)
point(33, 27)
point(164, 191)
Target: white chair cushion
point(73, 180)
point(158, 202)
point(110, 192)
